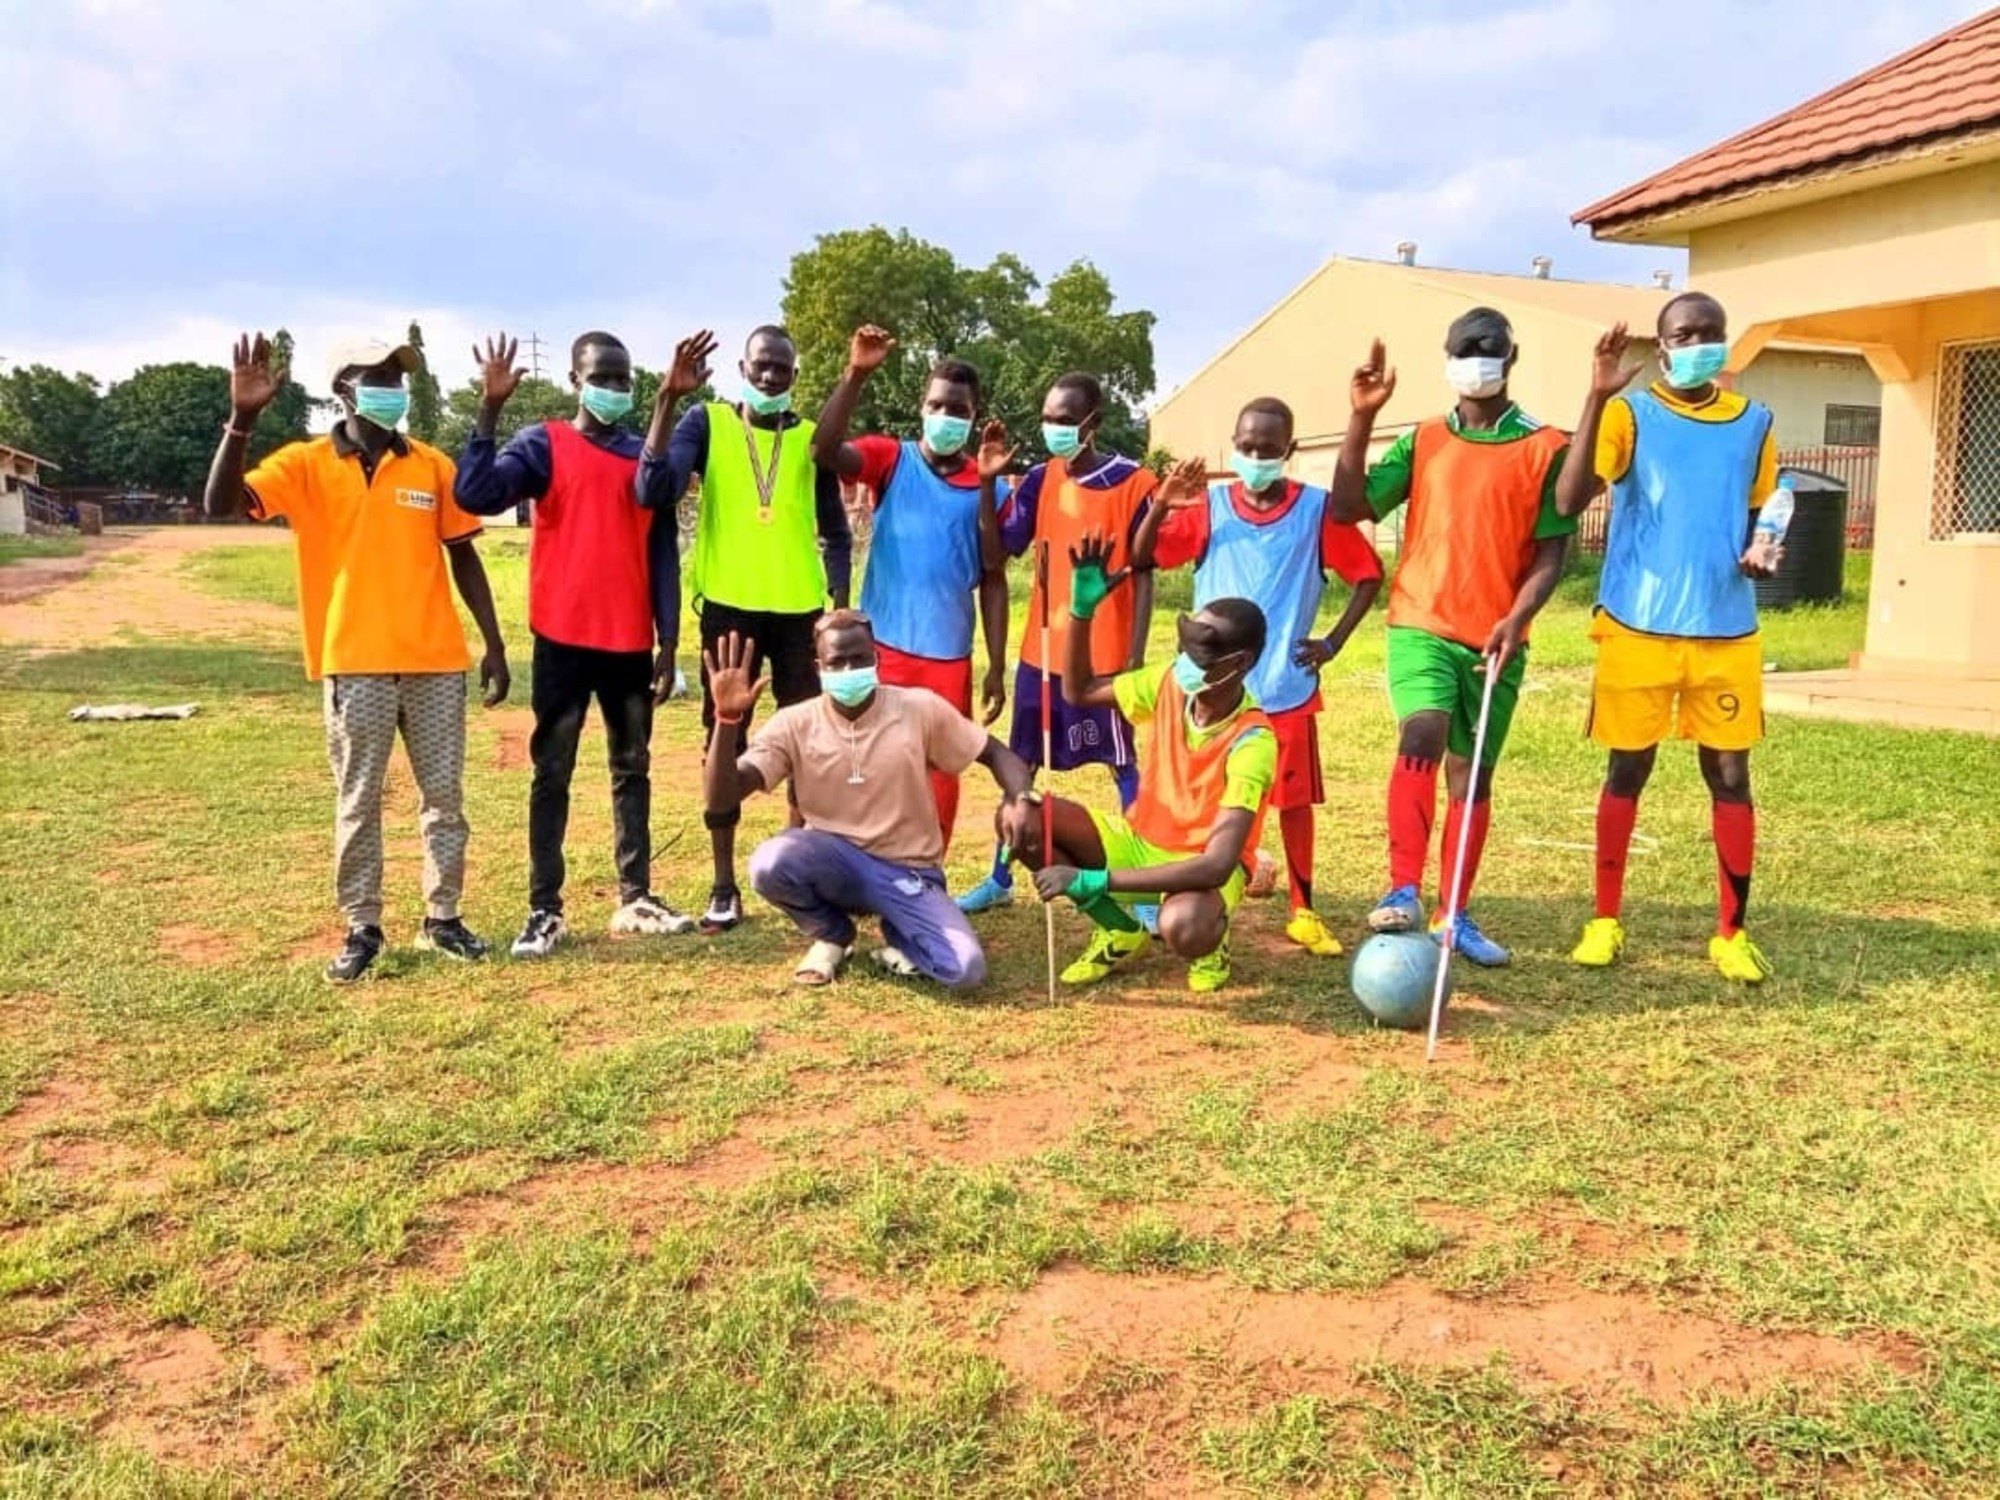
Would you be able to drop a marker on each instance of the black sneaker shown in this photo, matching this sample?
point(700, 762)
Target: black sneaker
point(360, 950)
point(725, 910)
point(538, 939)
point(452, 938)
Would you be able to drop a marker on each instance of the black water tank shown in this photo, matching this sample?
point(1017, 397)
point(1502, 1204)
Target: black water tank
point(1815, 543)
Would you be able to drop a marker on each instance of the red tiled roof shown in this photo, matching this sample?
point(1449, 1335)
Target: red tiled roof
point(1947, 86)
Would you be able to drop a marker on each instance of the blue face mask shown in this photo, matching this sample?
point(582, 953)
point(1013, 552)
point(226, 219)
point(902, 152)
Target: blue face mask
point(1692, 365)
point(384, 405)
point(763, 405)
point(849, 688)
point(1061, 439)
point(946, 434)
point(1257, 474)
point(604, 404)
point(1191, 677)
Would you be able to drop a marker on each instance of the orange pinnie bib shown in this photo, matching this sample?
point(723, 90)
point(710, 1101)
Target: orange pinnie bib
point(1181, 785)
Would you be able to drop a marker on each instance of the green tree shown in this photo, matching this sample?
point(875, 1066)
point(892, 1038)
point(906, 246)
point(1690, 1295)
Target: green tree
point(157, 430)
point(535, 400)
point(51, 415)
point(426, 395)
point(1019, 335)
point(288, 418)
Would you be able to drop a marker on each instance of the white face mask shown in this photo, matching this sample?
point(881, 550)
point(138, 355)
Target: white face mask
point(1476, 376)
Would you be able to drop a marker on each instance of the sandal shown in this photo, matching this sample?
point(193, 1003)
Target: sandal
point(821, 963)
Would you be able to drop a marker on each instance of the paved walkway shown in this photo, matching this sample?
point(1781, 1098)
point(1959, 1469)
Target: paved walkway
point(1876, 697)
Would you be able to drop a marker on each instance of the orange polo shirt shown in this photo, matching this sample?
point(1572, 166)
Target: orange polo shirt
point(374, 586)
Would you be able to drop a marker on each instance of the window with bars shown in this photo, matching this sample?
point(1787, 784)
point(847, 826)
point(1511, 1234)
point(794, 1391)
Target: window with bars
point(1853, 426)
point(1965, 483)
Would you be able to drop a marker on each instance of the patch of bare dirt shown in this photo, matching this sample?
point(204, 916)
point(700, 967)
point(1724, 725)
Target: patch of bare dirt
point(197, 947)
point(641, 1197)
point(511, 729)
point(57, 1102)
point(88, 605)
point(1595, 1342)
point(31, 577)
point(182, 1397)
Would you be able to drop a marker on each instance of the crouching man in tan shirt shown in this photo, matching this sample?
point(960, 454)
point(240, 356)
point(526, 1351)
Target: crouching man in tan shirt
point(859, 757)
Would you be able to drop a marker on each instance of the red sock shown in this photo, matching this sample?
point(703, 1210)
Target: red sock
point(1616, 816)
point(1296, 824)
point(1413, 790)
point(1735, 825)
point(1482, 819)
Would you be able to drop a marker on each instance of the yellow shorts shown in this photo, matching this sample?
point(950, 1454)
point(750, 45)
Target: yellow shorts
point(1124, 849)
point(1718, 687)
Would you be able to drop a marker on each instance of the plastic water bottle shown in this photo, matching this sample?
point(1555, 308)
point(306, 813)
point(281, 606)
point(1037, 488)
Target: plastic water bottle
point(1775, 519)
point(680, 684)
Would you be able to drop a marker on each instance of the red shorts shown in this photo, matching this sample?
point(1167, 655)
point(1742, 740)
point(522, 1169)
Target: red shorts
point(1300, 783)
point(950, 680)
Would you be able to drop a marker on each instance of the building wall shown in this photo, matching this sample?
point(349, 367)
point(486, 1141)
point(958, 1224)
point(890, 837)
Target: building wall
point(1306, 349)
point(1909, 267)
point(1910, 241)
point(1799, 385)
point(1933, 605)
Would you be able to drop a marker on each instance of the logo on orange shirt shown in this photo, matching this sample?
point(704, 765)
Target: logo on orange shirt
point(416, 499)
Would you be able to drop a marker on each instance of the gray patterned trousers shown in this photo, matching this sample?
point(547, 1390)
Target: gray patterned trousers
point(363, 716)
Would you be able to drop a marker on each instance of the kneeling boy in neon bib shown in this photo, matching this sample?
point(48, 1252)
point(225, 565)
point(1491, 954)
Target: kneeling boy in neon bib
point(1205, 775)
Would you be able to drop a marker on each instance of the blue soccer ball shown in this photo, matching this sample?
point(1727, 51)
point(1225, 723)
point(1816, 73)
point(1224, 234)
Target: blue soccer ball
point(1393, 976)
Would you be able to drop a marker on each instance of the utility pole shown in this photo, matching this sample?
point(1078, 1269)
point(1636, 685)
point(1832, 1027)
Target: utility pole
point(534, 342)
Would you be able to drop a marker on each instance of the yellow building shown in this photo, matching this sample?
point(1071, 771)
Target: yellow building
point(1305, 348)
point(1869, 218)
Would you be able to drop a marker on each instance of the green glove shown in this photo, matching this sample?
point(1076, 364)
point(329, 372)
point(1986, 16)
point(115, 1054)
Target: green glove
point(1089, 585)
point(1089, 884)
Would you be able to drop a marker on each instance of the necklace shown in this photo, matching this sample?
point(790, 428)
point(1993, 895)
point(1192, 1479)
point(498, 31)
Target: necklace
point(767, 481)
point(854, 776)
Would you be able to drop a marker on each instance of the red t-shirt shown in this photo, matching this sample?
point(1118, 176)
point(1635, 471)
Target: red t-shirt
point(1342, 547)
point(879, 455)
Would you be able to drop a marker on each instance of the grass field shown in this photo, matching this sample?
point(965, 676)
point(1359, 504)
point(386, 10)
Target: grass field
point(22, 548)
point(644, 1218)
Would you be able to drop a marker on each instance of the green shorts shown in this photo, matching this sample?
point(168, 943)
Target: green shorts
point(1124, 849)
point(1429, 674)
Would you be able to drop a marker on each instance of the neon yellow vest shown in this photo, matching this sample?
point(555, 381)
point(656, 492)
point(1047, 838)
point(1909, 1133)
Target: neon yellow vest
point(744, 555)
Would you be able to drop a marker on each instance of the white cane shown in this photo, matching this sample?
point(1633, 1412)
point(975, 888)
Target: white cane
point(1048, 769)
point(1457, 895)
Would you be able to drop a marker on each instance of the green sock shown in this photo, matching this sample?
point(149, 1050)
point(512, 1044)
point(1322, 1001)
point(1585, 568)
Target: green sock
point(1108, 914)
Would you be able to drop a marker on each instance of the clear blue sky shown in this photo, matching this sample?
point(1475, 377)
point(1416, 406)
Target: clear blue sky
point(175, 169)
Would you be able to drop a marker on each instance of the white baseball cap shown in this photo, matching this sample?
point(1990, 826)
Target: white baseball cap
point(365, 354)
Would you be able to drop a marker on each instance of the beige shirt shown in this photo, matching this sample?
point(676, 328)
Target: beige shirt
point(888, 811)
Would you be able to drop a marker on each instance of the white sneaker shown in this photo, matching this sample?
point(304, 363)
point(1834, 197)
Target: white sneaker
point(545, 929)
point(649, 916)
point(896, 962)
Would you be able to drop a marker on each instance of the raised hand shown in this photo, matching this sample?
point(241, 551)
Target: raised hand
point(868, 348)
point(996, 454)
point(253, 383)
point(1186, 484)
point(1090, 579)
point(499, 376)
point(690, 370)
point(1374, 382)
point(731, 690)
point(1609, 374)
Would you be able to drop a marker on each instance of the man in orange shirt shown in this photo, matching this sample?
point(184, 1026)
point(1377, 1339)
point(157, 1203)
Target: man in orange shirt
point(1482, 550)
point(376, 526)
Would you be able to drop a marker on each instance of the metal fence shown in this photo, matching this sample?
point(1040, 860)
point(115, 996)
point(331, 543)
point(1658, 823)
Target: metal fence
point(1853, 466)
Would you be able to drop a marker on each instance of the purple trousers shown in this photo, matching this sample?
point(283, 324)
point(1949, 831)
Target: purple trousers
point(823, 882)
